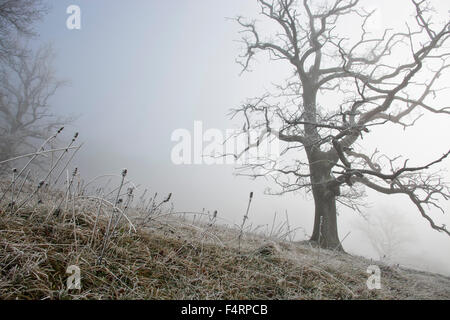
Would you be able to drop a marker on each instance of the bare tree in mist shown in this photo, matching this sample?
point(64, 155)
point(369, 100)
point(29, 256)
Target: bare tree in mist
point(388, 232)
point(16, 19)
point(27, 82)
point(374, 80)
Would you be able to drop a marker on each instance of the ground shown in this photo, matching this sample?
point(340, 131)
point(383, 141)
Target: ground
point(174, 257)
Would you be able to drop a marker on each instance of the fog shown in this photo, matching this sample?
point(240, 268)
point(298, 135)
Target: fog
point(139, 70)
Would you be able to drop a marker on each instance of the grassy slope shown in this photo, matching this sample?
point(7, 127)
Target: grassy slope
point(176, 260)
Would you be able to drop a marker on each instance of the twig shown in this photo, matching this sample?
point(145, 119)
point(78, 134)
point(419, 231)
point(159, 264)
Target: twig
point(245, 219)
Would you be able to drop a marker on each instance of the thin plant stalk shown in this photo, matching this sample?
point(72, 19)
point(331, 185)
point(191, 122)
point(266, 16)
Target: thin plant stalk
point(245, 219)
point(29, 161)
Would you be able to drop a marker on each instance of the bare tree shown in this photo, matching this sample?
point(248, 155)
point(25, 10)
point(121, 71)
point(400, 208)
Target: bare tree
point(27, 82)
point(16, 19)
point(374, 80)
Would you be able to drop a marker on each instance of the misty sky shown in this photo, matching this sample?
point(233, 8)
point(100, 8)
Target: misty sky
point(140, 69)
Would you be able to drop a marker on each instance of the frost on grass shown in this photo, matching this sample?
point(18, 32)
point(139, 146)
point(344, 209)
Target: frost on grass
point(174, 257)
point(129, 247)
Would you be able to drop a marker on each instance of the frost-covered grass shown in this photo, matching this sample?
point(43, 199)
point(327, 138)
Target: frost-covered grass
point(172, 257)
point(129, 247)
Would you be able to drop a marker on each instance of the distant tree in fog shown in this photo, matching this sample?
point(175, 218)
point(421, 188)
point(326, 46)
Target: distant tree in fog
point(24, 77)
point(389, 233)
point(374, 80)
point(16, 19)
point(27, 82)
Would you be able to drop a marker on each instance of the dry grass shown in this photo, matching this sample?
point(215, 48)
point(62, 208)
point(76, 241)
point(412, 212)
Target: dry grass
point(146, 251)
point(171, 258)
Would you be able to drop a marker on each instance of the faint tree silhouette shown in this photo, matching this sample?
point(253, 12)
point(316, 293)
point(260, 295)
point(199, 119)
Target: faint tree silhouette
point(27, 82)
point(16, 20)
point(388, 232)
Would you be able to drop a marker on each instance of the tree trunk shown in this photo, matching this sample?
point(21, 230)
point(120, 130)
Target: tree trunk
point(325, 232)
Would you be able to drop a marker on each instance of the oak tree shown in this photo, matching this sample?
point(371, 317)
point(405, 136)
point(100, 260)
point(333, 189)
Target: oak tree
point(374, 79)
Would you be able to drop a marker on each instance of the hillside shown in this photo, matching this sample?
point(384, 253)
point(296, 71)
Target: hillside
point(174, 257)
